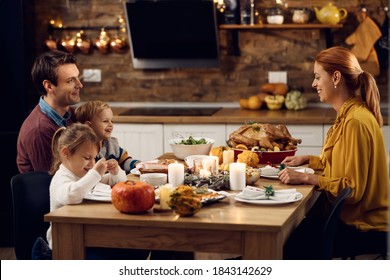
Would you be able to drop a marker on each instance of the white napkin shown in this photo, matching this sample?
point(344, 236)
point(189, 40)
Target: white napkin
point(101, 190)
point(253, 193)
point(269, 171)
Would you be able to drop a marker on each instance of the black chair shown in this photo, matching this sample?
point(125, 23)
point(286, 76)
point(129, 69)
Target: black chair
point(331, 225)
point(31, 201)
point(352, 243)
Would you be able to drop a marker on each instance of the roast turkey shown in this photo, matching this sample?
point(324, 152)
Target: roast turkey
point(265, 136)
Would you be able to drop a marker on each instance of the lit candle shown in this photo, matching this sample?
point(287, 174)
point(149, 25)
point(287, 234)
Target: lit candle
point(165, 195)
point(237, 176)
point(216, 164)
point(204, 173)
point(228, 156)
point(208, 167)
point(176, 174)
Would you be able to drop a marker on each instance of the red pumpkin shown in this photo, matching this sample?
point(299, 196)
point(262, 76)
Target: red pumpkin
point(133, 197)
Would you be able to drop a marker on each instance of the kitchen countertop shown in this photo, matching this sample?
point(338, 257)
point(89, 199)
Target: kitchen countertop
point(235, 115)
point(231, 113)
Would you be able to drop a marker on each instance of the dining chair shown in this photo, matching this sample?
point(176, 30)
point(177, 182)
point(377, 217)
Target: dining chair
point(371, 243)
point(31, 201)
point(331, 224)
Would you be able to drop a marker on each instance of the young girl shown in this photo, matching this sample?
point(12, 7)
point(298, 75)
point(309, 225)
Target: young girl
point(98, 115)
point(75, 173)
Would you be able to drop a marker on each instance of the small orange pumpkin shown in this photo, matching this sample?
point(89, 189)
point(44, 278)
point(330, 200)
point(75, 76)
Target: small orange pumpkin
point(133, 197)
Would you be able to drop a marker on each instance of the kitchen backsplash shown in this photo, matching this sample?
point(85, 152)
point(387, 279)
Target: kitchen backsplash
point(291, 50)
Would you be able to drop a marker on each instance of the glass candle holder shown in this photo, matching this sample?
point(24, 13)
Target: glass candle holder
point(206, 167)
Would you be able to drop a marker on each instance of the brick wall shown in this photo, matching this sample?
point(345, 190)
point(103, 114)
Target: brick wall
point(238, 76)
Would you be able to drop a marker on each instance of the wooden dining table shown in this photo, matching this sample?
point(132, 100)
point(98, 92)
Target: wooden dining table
point(228, 226)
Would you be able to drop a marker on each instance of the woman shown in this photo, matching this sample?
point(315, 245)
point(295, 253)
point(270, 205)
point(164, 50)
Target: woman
point(354, 152)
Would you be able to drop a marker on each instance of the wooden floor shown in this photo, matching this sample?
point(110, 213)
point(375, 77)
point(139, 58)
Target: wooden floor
point(7, 253)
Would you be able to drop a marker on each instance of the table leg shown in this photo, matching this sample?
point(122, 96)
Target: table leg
point(262, 246)
point(68, 241)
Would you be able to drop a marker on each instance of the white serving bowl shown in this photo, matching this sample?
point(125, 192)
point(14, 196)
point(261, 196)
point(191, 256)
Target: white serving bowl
point(181, 151)
point(154, 179)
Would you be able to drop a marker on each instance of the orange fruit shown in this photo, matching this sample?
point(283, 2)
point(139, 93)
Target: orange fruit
point(244, 103)
point(254, 102)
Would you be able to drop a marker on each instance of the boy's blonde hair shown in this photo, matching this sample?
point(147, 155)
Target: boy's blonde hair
point(86, 111)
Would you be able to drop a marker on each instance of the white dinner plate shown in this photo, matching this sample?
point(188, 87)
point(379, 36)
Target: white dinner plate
point(268, 201)
point(297, 168)
point(97, 197)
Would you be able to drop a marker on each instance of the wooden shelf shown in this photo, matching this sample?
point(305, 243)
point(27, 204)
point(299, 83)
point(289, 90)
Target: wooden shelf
point(279, 26)
point(234, 29)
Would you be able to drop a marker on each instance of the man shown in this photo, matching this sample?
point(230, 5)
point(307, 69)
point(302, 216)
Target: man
point(56, 76)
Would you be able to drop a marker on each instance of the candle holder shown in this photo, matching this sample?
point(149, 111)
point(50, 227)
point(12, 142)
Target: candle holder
point(206, 167)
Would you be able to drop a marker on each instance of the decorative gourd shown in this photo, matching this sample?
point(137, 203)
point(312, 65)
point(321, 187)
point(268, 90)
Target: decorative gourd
point(185, 201)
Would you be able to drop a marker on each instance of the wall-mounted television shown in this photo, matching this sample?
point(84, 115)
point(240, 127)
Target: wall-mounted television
point(172, 33)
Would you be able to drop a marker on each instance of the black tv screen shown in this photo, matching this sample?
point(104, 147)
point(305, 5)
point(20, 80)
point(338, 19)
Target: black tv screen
point(173, 33)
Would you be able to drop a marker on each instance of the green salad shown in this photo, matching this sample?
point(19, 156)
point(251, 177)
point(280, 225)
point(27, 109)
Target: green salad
point(191, 141)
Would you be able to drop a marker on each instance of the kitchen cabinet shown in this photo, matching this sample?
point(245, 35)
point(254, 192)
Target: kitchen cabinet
point(311, 135)
point(386, 134)
point(214, 131)
point(142, 141)
point(312, 138)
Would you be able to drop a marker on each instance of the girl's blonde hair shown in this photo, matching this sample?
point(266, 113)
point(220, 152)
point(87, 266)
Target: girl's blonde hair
point(343, 60)
point(71, 137)
point(86, 111)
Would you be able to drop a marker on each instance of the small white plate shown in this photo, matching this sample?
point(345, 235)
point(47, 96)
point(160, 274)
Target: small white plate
point(268, 201)
point(97, 197)
point(297, 168)
point(270, 176)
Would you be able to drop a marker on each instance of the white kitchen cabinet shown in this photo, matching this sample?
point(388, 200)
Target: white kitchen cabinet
point(386, 134)
point(326, 129)
point(142, 141)
point(311, 135)
point(214, 131)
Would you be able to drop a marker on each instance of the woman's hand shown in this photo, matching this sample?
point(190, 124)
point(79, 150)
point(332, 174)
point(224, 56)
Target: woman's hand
point(112, 166)
point(296, 160)
point(290, 176)
point(101, 166)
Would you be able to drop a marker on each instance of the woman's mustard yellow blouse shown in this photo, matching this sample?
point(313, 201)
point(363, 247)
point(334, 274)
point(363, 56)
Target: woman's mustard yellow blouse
point(354, 155)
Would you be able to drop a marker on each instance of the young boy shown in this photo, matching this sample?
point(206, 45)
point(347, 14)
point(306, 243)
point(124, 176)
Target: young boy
point(98, 115)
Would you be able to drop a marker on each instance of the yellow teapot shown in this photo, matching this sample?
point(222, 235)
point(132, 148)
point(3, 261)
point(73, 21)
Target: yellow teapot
point(330, 14)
